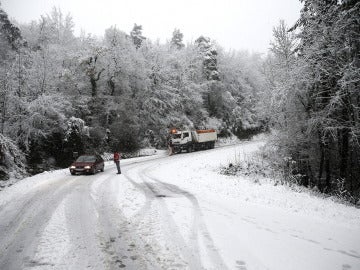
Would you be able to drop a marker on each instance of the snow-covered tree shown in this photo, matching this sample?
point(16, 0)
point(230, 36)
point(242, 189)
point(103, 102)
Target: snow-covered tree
point(242, 84)
point(12, 159)
point(93, 68)
point(279, 71)
point(11, 44)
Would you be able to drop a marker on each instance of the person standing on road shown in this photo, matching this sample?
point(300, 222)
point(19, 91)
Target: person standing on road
point(117, 162)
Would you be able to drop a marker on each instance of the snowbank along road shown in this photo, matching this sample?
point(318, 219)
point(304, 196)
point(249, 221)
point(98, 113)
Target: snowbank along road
point(173, 212)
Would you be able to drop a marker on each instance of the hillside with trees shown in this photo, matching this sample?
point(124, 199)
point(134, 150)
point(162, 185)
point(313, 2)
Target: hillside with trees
point(62, 94)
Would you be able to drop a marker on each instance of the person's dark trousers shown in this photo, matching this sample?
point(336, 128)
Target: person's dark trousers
point(118, 166)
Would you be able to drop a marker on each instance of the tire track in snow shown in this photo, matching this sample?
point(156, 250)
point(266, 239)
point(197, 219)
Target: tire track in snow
point(114, 236)
point(190, 253)
point(199, 226)
point(155, 193)
point(82, 221)
point(149, 213)
point(22, 223)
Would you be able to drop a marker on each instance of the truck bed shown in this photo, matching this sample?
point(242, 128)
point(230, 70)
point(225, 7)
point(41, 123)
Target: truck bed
point(204, 135)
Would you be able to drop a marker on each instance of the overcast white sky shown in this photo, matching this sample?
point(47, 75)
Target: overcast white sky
point(234, 24)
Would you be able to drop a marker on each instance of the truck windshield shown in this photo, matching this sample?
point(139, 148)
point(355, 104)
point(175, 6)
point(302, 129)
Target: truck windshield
point(176, 136)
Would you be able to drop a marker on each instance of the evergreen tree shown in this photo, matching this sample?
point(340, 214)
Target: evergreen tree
point(9, 33)
point(209, 54)
point(136, 35)
point(177, 39)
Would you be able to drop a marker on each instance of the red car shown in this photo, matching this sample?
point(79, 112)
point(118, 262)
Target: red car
point(89, 164)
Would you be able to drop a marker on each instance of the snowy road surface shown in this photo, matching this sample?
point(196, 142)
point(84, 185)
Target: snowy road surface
point(173, 212)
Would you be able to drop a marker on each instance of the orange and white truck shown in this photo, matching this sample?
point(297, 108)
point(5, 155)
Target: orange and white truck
point(192, 140)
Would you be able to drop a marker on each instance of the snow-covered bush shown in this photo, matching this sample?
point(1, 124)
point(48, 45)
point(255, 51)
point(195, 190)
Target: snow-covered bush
point(77, 126)
point(12, 160)
point(342, 193)
point(285, 169)
point(266, 163)
point(231, 139)
point(254, 166)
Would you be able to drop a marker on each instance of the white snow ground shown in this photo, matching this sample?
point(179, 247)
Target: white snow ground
point(173, 212)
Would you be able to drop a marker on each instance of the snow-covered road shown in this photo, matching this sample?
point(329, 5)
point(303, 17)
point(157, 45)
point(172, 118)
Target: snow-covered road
point(173, 212)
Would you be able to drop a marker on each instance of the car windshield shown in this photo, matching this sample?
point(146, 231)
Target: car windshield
point(86, 159)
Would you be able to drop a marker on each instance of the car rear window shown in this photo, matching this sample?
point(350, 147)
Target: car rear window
point(86, 159)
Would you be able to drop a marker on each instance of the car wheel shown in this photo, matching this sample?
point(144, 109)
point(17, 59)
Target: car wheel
point(102, 169)
point(72, 173)
point(93, 171)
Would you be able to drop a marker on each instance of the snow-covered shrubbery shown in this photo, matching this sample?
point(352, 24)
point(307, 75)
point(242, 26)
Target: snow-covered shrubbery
point(267, 165)
point(12, 160)
point(253, 166)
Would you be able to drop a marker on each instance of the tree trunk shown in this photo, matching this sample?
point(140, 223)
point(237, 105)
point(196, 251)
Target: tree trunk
point(93, 81)
point(3, 114)
point(19, 76)
point(344, 153)
point(93, 86)
point(321, 165)
point(111, 85)
point(327, 169)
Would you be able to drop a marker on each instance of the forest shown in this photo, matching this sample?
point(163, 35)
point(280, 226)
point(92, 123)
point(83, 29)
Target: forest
point(61, 93)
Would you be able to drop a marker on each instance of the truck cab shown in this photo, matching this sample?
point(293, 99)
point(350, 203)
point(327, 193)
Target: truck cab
point(180, 140)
